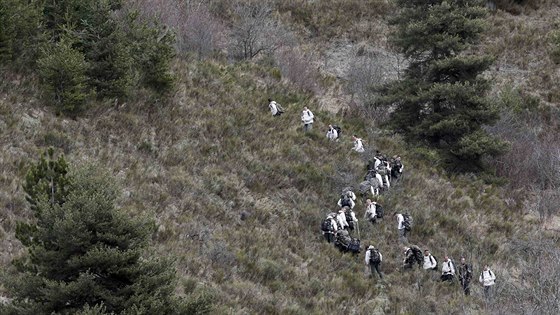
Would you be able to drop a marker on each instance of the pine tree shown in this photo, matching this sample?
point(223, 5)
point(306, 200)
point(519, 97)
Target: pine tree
point(47, 178)
point(87, 256)
point(108, 51)
point(63, 69)
point(154, 51)
point(441, 101)
point(19, 31)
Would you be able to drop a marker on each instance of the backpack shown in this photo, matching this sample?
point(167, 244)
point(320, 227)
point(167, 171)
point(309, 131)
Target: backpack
point(349, 217)
point(345, 201)
point(338, 129)
point(354, 246)
point(436, 266)
point(379, 210)
point(349, 220)
point(417, 254)
point(407, 222)
point(374, 257)
point(326, 226)
point(364, 187)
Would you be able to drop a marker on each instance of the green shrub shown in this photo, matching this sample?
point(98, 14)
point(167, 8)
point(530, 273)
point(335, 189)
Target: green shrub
point(19, 25)
point(63, 74)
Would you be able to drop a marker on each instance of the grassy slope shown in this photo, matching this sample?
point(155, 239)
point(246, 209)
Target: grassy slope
point(213, 151)
point(197, 161)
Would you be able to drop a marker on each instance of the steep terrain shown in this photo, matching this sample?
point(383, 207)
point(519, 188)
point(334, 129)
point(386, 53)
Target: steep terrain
point(212, 153)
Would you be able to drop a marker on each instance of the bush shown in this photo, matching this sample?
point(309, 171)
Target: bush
point(19, 24)
point(63, 74)
point(86, 252)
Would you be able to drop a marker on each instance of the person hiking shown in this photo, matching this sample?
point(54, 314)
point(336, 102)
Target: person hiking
point(465, 276)
point(341, 219)
point(371, 211)
point(358, 144)
point(373, 259)
point(332, 134)
point(342, 240)
point(447, 270)
point(401, 227)
point(487, 278)
point(329, 227)
point(350, 218)
point(275, 108)
point(307, 119)
point(430, 262)
point(412, 255)
point(349, 193)
point(397, 167)
point(346, 200)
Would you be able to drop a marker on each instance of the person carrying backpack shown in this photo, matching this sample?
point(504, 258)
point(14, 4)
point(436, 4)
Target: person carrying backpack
point(430, 262)
point(332, 134)
point(341, 219)
point(350, 218)
point(370, 214)
point(275, 108)
point(487, 279)
point(373, 259)
point(329, 227)
point(342, 240)
point(358, 144)
point(447, 270)
point(412, 255)
point(465, 276)
point(307, 119)
point(349, 193)
point(404, 225)
point(346, 200)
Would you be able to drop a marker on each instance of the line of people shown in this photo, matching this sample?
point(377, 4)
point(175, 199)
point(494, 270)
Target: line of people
point(464, 272)
point(381, 171)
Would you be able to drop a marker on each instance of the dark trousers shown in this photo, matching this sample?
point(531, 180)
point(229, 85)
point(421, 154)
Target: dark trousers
point(488, 293)
point(375, 267)
point(447, 277)
point(329, 237)
point(466, 285)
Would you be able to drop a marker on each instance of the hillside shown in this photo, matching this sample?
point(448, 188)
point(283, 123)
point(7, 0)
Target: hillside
point(211, 153)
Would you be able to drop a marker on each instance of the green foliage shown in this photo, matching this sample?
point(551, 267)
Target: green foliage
point(554, 50)
point(85, 251)
point(155, 52)
point(47, 180)
point(19, 25)
point(441, 100)
point(107, 49)
point(89, 47)
point(63, 74)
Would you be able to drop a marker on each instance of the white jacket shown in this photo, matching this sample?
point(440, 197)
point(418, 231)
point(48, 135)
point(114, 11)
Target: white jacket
point(487, 278)
point(351, 194)
point(371, 211)
point(332, 134)
point(429, 262)
point(341, 219)
point(376, 163)
point(400, 221)
point(358, 145)
point(368, 254)
point(379, 179)
point(447, 268)
point(307, 117)
point(353, 216)
point(273, 107)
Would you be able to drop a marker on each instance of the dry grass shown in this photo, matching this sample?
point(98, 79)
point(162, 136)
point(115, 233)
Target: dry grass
point(200, 159)
point(211, 152)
